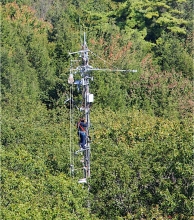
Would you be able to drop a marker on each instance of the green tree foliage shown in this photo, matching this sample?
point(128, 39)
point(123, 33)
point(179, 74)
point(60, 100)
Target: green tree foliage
point(165, 94)
point(173, 54)
point(35, 165)
point(153, 16)
point(44, 196)
point(25, 43)
point(145, 165)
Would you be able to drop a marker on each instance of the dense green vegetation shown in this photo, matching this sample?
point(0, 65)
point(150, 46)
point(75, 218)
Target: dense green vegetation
point(142, 160)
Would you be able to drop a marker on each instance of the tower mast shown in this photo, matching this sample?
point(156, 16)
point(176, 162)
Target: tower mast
point(87, 98)
point(86, 101)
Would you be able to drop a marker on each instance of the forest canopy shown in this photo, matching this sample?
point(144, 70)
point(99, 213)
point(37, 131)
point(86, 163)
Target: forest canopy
point(141, 163)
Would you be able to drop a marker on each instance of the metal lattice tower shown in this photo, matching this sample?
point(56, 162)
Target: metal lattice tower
point(84, 69)
point(87, 99)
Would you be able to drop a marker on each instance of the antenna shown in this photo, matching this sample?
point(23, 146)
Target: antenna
point(84, 69)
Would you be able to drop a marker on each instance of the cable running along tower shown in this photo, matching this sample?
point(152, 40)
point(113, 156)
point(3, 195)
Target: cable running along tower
point(84, 70)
